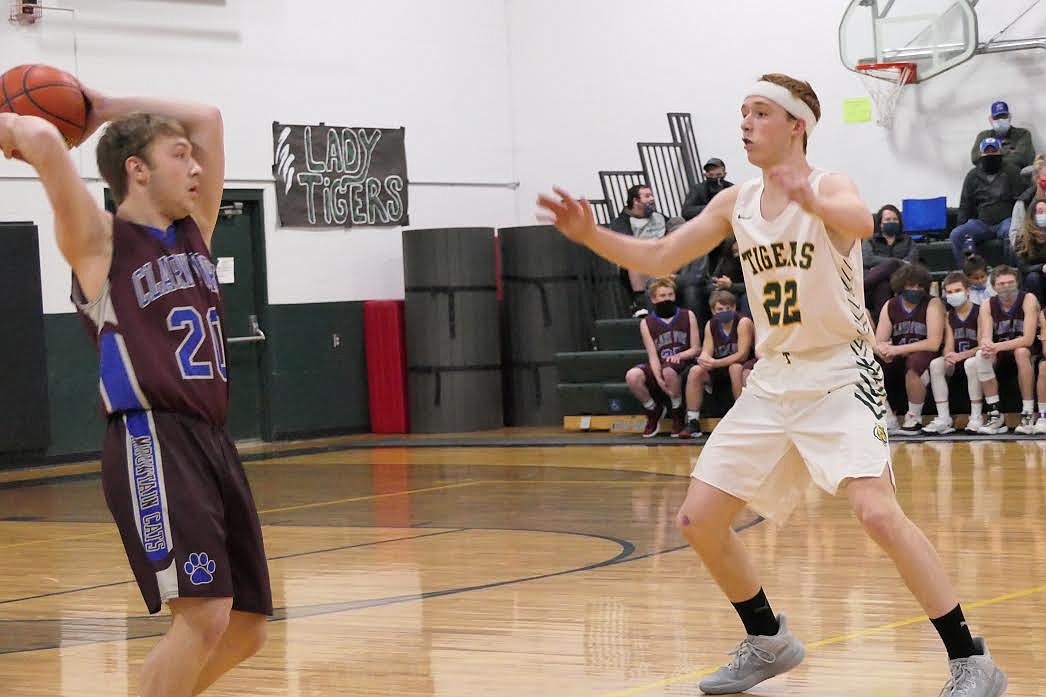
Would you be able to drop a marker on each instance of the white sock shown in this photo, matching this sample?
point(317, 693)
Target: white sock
point(676, 401)
point(1042, 409)
point(976, 409)
point(915, 409)
point(943, 411)
point(1028, 406)
point(649, 404)
point(693, 415)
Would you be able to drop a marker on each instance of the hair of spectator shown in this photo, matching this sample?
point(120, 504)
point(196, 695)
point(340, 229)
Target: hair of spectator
point(879, 217)
point(722, 297)
point(955, 277)
point(974, 264)
point(1004, 270)
point(662, 282)
point(633, 194)
point(910, 275)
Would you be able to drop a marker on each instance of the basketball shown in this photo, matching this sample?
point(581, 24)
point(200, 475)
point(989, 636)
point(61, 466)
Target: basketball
point(47, 92)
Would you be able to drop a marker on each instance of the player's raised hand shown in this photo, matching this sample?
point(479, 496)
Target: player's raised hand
point(573, 217)
point(96, 110)
point(795, 185)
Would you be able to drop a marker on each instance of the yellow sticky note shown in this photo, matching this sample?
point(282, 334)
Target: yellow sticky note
point(857, 110)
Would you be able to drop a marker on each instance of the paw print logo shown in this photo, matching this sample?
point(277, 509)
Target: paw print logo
point(199, 568)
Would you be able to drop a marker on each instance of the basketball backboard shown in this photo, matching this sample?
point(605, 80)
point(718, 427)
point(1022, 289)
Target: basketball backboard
point(936, 35)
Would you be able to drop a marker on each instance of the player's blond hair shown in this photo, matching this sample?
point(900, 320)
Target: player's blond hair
point(130, 136)
point(662, 282)
point(723, 297)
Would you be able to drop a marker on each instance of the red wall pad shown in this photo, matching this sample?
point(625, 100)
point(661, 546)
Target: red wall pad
point(386, 347)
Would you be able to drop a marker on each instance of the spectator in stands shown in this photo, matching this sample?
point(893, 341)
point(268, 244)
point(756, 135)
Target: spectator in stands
point(1040, 425)
point(1006, 331)
point(976, 270)
point(692, 288)
point(729, 275)
point(640, 218)
point(1022, 208)
point(908, 336)
point(672, 341)
point(1016, 144)
point(988, 195)
point(702, 192)
point(960, 345)
point(887, 250)
point(727, 345)
point(1030, 251)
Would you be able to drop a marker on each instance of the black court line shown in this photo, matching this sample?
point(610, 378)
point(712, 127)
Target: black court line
point(283, 614)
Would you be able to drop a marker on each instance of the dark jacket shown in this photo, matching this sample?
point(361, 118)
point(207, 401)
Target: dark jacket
point(698, 198)
point(876, 250)
point(1017, 148)
point(990, 200)
point(730, 266)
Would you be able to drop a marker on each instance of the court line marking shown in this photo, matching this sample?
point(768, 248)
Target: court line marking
point(29, 543)
point(838, 639)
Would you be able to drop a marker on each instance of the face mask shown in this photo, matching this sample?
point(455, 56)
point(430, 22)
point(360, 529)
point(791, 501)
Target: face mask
point(991, 163)
point(912, 296)
point(1001, 126)
point(1040, 219)
point(648, 210)
point(956, 299)
point(665, 308)
point(725, 316)
point(1007, 294)
point(891, 229)
point(980, 289)
point(715, 182)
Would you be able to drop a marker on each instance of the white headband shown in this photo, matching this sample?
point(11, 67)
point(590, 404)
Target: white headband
point(786, 100)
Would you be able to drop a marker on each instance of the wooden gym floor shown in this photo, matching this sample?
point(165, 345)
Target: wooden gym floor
point(464, 572)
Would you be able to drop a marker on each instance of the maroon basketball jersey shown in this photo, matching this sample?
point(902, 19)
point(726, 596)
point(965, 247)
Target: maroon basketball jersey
point(908, 327)
point(670, 336)
point(157, 325)
point(964, 330)
point(1009, 324)
point(724, 343)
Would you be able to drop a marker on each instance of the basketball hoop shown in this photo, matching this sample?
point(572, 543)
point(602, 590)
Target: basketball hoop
point(884, 82)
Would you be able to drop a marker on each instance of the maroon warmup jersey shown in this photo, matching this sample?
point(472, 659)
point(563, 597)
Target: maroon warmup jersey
point(724, 343)
point(670, 336)
point(908, 327)
point(1007, 324)
point(157, 324)
point(964, 330)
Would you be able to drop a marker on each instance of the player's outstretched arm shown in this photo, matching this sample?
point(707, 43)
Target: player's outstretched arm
point(660, 257)
point(82, 229)
point(203, 125)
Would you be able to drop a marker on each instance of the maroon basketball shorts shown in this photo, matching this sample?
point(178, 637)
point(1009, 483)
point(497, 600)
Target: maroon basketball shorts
point(180, 498)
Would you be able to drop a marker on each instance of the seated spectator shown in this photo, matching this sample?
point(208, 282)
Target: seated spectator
point(887, 250)
point(1015, 143)
point(692, 288)
point(976, 270)
point(640, 218)
point(960, 344)
point(672, 341)
point(1030, 251)
point(1040, 425)
point(1022, 208)
point(988, 194)
point(1006, 331)
point(727, 345)
point(729, 275)
point(702, 192)
point(908, 336)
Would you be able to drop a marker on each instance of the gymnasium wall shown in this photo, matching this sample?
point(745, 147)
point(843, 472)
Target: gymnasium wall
point(592, 77)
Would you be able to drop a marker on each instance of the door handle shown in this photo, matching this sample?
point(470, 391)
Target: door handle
point(256, 336)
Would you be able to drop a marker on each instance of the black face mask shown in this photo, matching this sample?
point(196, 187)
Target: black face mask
point(714, 183)
point(648, 210)
point(665, 309)
point(891, 229)
point(991, 164)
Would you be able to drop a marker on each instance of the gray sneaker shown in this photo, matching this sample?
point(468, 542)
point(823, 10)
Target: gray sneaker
point(976, 676)
point(756, 659)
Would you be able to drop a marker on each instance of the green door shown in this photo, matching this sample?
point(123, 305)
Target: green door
point(236, 248)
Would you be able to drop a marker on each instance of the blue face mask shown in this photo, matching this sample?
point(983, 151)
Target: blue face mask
point(725, 316)
point(913, 296)
point(980, 289)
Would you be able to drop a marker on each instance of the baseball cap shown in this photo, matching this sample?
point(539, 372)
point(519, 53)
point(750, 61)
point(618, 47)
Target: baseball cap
point(990, 144)
point(999, 108)
point(714, 162)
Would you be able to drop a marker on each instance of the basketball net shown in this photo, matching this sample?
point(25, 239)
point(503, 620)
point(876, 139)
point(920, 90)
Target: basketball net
point(884, 82)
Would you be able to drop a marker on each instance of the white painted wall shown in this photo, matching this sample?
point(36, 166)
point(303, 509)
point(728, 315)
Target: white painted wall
point(539, 91)
point(592, 77)
point(438, 68)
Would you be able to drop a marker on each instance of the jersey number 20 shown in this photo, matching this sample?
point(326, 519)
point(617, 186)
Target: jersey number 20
point(191, 367)
point(781, 302)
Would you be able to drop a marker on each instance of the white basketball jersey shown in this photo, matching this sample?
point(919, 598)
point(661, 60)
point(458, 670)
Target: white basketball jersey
point(805, 296)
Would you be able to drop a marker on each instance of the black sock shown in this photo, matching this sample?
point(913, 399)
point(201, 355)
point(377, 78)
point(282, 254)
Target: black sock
point(756, 615)
point(955, 634)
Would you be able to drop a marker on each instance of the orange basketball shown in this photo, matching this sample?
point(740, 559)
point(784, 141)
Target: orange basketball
point(50, 93)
